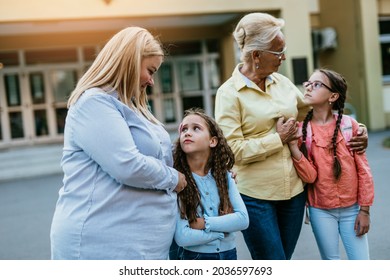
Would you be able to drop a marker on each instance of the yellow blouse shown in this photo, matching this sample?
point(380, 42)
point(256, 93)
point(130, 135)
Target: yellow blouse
point(248, 117)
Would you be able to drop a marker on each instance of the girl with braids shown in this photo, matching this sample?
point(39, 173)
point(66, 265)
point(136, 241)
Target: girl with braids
point(211, 209)
point(341, 188)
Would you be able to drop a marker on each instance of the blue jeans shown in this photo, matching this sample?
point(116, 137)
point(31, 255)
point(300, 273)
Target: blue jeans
point(328, 224)
point(274, 226)
point(175, 251)
point(227, 255)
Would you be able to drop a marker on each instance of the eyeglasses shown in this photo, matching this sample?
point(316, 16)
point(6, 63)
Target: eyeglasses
point(278, 54)
point(316, 85)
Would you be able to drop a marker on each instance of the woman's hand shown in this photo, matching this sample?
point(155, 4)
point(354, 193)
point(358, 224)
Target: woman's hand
point(359, 142)
point(181, 184)
point(233, 174)
point(287, 130)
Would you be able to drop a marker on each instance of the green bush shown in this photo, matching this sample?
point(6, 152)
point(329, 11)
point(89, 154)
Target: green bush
point(386, 142)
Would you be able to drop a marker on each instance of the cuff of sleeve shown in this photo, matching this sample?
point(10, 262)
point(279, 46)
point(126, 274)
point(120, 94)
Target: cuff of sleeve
point(221, 235)
point(297, 160)
point(174, 180)
point(206, 223)
point(362, 125)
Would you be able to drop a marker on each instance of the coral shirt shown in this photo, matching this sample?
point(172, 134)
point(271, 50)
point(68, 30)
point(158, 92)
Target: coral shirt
point(355, 184)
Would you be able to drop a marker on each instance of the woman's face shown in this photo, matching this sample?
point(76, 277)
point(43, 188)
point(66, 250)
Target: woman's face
point(270, 62)
point(149, 66)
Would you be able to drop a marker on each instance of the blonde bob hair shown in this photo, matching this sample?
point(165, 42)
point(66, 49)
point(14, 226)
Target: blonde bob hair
point(118, 67)
point(255, 31)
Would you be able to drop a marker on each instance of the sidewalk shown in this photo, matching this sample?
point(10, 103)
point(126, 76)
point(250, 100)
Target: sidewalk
point(27, 162)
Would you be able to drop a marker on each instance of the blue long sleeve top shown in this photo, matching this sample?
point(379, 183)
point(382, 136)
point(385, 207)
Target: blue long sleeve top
point(117, 199)
point(219, 233)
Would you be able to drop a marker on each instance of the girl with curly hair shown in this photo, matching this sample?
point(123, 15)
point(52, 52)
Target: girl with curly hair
point(211, 208)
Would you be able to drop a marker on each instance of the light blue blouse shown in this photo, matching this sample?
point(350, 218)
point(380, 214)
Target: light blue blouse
point(116, 201)
point(219, 234)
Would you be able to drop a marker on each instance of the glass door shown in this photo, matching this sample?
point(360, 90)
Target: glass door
point(14, 128)
point(62, 83)
point(34, 106)
point(38, 96)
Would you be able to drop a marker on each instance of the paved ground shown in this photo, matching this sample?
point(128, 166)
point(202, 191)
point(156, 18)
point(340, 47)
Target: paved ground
point(27, 205)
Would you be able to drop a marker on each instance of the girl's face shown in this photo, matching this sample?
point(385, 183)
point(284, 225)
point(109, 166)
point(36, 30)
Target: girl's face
point(318, 90)
point(149, 66)
point(195, 136)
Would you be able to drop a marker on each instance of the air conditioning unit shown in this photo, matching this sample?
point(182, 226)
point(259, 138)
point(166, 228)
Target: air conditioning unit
point(324, 39)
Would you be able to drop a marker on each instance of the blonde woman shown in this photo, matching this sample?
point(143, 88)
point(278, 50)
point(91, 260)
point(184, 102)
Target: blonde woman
point(118, 199)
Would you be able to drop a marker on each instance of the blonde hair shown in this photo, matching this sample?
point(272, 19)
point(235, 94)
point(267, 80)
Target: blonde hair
point(255, 31)
point(118, 67)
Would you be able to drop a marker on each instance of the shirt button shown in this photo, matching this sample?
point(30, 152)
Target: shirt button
point(207, 193)
point(211, 208)
point(217, 249)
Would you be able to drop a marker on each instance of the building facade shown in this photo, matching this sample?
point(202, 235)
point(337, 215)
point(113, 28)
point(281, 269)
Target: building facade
point(45, 47)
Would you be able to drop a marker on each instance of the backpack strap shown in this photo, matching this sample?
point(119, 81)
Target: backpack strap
point(345, 127)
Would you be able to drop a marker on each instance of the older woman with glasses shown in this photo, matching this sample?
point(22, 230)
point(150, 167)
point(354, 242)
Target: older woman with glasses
point(257, 109)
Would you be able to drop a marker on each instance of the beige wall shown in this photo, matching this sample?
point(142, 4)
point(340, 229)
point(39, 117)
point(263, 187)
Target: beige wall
point(76, 9)
point(357, 55)
point(298, 33)
point(372, 65)
point(384, 7)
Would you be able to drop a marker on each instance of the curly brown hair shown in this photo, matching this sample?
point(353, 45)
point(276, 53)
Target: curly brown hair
point(221, 160)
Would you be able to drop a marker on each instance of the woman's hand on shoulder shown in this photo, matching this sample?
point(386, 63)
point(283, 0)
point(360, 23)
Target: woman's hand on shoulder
point(233, 174)
point(359, 142)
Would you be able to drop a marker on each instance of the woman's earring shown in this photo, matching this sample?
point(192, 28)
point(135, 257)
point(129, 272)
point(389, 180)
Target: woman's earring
point(257, 66)
point(330, 103)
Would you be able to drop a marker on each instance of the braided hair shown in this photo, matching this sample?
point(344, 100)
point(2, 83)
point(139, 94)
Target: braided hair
point(337, 84)
point(220, 161)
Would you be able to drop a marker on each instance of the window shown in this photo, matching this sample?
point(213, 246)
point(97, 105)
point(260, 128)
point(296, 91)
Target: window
point(384, 30)
point(166, 77)
point(190, 76)
point(189, 102)
point(41, 127)
point(37, 88)
point(16, 124)
point(12, 89)
point(63, 82)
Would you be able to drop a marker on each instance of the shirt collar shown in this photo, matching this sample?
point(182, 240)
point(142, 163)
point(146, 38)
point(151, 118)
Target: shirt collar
point(241, 81)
